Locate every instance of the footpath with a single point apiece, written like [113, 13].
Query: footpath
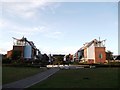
[29, 81]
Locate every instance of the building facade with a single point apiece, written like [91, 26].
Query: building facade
[92, 52]
[26, 48]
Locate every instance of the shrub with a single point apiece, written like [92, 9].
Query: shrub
[6, 61]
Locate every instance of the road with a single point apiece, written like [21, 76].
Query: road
[29, 81]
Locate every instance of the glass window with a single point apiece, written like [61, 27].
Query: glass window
[100, 55]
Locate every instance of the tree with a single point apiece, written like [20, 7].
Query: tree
[68, 59]
[58, 59]
[45, 60]
[109, 56]
[16, 55]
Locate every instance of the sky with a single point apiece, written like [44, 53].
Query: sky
[58, 27]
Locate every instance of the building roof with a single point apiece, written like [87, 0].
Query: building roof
[93, 41]
[89, 44]
[25, 39]
[117, 57]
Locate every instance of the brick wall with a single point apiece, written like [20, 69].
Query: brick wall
[9, 54]
[100, 58]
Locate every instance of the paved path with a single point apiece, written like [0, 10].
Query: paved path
[27, 82]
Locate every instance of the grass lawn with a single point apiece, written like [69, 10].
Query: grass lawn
[10, 74]
[82, 78]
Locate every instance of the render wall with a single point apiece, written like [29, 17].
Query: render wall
[90, 52]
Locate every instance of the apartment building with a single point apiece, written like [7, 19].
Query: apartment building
[26, 48]
[92, 52]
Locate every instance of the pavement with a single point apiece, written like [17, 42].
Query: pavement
[29, 81]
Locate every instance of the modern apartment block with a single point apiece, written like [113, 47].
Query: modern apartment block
[92, 52]
[26, 48]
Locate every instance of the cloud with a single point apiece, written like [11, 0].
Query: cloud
[5, 47]
[3, 50]
[23, 9]
[4, 24]
[26, 10]
[30, 9]
[55, 34]
[16, 29]
[1, 24]
[62, 0]
[28, 30]
[17, 12]
[70, 49]
[61, 50]
[54, 6]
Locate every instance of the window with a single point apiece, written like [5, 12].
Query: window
[100, 55]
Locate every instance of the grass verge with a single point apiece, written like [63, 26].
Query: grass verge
[82, 78]
[11, 74]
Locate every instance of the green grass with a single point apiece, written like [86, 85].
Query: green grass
[10, 74]
[82, 78]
